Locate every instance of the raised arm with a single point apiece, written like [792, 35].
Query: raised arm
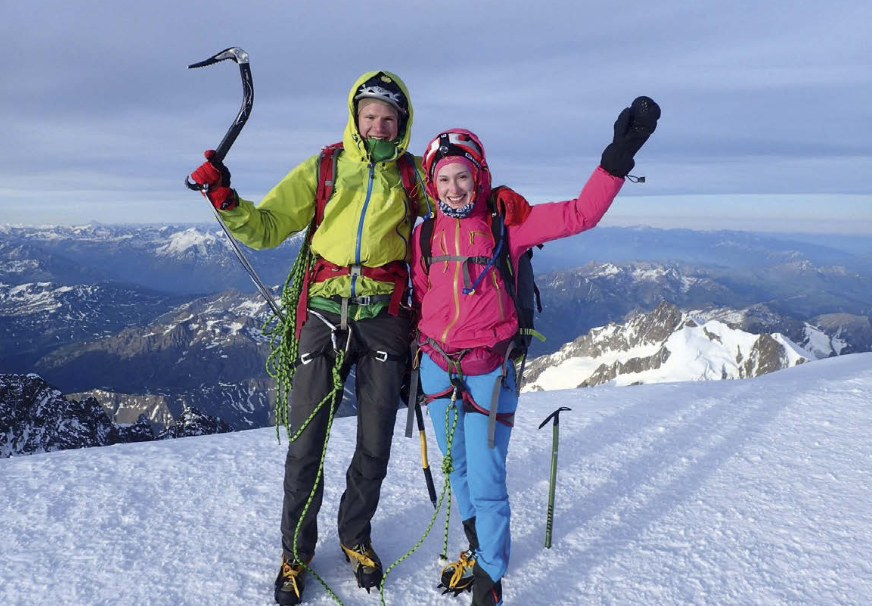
[286, 209]
[555, 220]
[561, 219]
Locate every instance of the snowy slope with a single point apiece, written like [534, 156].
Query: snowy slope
[728, 492]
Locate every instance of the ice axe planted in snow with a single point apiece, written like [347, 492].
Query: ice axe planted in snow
[553, 481]
[241, 58]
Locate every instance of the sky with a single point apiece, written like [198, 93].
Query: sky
[766, 122]
[679, 494]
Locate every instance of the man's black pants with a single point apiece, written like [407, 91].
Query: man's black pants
[378, 347]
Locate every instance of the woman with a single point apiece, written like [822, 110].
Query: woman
[467, 323]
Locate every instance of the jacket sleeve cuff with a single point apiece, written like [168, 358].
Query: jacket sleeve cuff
[238, 215]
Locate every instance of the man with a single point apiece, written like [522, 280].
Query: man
[361, 245]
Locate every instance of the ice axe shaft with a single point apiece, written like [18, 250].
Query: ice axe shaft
[428, 476]
[552, 484]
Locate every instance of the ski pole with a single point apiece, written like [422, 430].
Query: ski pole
[241, 58]
[553, 481]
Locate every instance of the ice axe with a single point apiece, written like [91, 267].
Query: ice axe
[553, 481]
[241, 58]
[415, 411]
[428, 476]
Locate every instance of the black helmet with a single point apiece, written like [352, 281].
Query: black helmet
[382, 87]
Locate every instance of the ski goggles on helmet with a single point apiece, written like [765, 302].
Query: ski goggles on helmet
[382, 88]
[452, 144]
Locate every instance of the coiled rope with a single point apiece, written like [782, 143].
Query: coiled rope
[281, 364]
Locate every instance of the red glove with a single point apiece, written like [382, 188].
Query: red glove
[512, 206]
[216, 178]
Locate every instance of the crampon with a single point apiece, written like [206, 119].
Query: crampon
[365, 564]
[457, 576]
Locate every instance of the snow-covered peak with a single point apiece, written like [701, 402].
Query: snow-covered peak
[664, 345]
[180, 242]
[603, 270]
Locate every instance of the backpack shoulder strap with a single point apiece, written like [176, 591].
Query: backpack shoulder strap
[326, 179]
[409, 178]
[499, 230]
[426, 241]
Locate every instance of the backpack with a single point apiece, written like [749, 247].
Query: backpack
[525, 297]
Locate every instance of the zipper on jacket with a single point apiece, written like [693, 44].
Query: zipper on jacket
[499, 294]
[456, 288]
[472, 235]
[360, 226]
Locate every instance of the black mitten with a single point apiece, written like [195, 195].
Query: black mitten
[632, 128]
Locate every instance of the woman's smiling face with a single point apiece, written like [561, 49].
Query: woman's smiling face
[455, 185]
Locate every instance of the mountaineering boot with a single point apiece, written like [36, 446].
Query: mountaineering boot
[457, 576]
[289, 583]
[484, 591]
[365, 564]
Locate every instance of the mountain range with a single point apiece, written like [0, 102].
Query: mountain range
[576, 300]
[668, 345]
[179, 259]
[139, 317]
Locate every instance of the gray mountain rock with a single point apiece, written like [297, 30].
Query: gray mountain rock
[38, 318]
[851, 332]
[192, 422]
[35, 417]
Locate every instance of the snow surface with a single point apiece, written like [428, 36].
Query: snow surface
[728, 492]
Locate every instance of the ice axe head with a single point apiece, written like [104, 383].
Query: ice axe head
[234, 52]
[240, 57]
[555, 415]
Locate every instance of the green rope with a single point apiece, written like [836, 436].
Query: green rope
[281, 364]
[332, 398]
[447, 468]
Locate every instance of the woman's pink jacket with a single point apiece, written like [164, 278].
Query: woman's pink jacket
[484, 321]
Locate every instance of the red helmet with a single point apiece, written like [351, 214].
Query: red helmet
[456, 142]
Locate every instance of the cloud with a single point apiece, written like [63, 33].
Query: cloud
[756, 98]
